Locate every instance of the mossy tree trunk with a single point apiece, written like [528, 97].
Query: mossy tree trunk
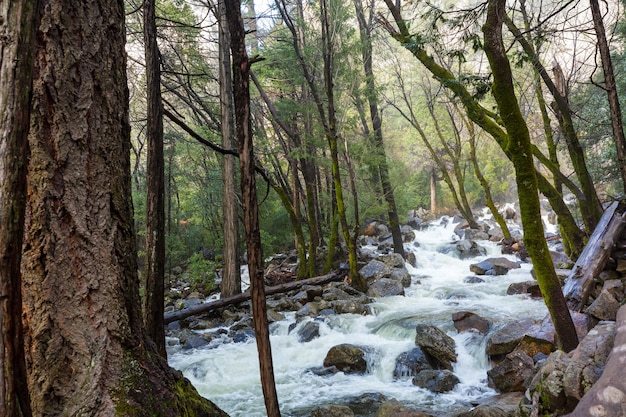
[520, 148]
[88, 351]
[16, 68]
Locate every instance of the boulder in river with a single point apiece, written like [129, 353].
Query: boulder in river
[436, 380]
[385, 287]
[375, 270]
[494, 266]
[410, 363]
[330, 410]
[438, 346]
[469, 249]
[504, 339]
[468, 321]
[511, 374]
[393, 408]
[348, 358]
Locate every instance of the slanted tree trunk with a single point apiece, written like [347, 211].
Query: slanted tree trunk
[521, 156]
[611, 89]
[88, 352]
[154, 304]
[365, 29]
[231, 274]
[241, 93]
[16, 69]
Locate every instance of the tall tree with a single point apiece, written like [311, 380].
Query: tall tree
[365, 30]
[611, 88]
[155, 193]
[525, 175]
[16, 68]
[88, 351]
[231, 276]
[241, 93]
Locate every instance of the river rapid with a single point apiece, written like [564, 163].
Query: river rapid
[229, 374]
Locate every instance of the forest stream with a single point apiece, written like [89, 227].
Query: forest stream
[228, 374]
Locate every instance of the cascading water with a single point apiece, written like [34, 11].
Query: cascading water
[229, 373]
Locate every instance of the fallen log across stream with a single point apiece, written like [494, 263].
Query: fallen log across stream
[239, 298]
[594, 257]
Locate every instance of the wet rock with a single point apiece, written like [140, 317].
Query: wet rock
[243, 335]
[504, 339]
[401, 275]
[309, 331]
[324, 370]
[525, 287]
[332, 411]
[503, 405]
[438, 347]
[436, 380]
[561, 260]
[393, 260]
[410, 363]
[468, 321]
[366, 404]
[351, 306]
[385, 287]
[308, 310]
[469, 249]
[473, 280]
[194, 342]
[532, 346]
[393, 408]
[274, 316]
[494, 266]
[511, 374]
[605, 306]
[476, 234]
[564, 378]
[411, 259]
[375, 270]
[347, 358]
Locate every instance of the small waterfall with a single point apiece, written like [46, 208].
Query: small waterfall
[229, 373]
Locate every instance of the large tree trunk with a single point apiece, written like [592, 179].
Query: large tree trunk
[16, 68]
[155, 192]
[611, 88]
[231, 274]
[241, 88]
[88, 353]
[521, 152]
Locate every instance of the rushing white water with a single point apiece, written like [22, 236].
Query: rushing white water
[229, 373]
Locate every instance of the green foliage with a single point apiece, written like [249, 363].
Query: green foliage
[200, 272]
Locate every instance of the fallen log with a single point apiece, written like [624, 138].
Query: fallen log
[607, 397]
[593, 258]
[239, 298]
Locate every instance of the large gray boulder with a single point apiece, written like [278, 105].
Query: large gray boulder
[385, 287]
[393, 408]
[438, 347]
[330, 410]
[504, 339]
[410, 363]
[375, 270]
[348, 358]
[494, 266]
[467, 321]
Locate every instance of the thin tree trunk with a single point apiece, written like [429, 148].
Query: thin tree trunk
[519, 136]
[611, 89]
[379, 143]
[231, 274]
[241, 88]
[433, 191]
[16, 70]
[154, 304]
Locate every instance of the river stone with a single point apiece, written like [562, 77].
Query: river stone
[351, 306]
[502, 405]
[308, 310]
[194, 341]
[393, 408]
[494, 266]
[468, 321]
[309, 331]
[438, 347]
[348, 358]
[385, 287]
[605, 306]
[366, 404]
[394, 260]
[329, 410]
[504, 339]
[410, 363]
[472, 279]
[469, 249]
[532, 346]
[475, 234]
[525, 287]
[401, 275]
[375, 270]
[511, 374]
[436, 380]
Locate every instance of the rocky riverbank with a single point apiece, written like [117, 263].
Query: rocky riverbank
[532, 377]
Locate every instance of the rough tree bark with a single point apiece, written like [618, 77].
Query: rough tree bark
[521, 152]
[241, 89]
[88, 352]
[17, 34]
[231, 274]
[155, 190]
